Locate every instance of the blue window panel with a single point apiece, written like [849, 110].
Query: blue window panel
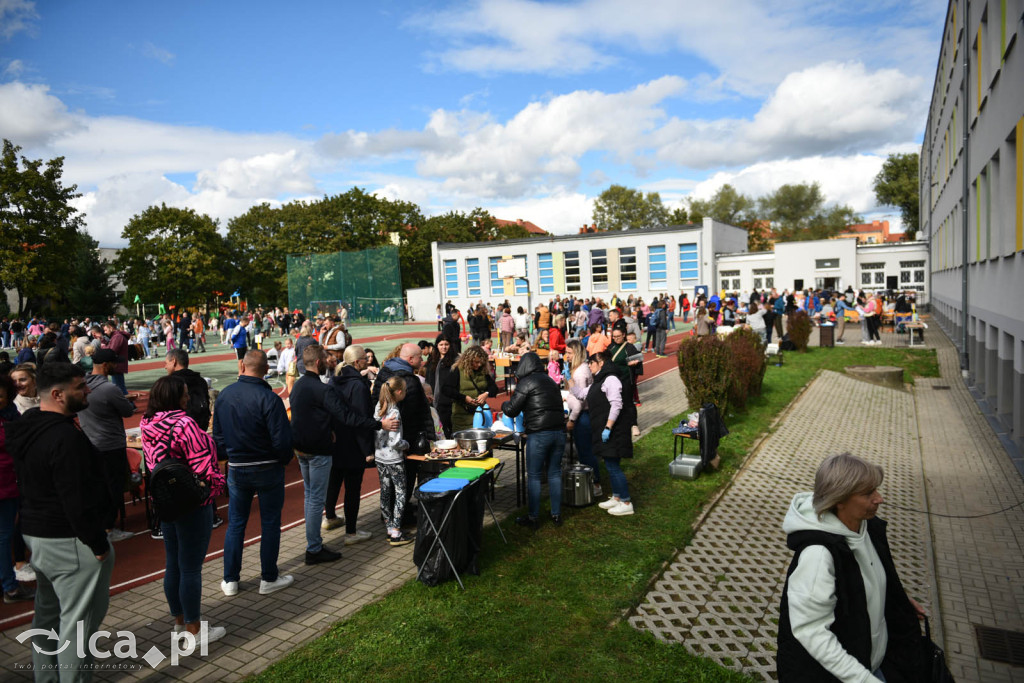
[656, 265]
[497, 284]
[523, 284]
[451, 279]
[547, 273]
[689, 266]
[473, 276]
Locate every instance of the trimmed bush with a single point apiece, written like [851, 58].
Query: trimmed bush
[799, 330]
[747, 365]
[705, 366]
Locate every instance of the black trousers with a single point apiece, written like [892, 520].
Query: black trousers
[352, 479]
[115, 474]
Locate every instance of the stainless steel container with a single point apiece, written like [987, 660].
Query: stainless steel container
[475, 440]
[685, 467]
[578, 486]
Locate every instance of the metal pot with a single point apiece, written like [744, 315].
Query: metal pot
[475, 440]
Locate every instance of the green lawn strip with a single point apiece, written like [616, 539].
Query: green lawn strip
[549, 604]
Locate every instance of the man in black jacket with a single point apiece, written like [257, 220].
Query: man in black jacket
[63, 505]
[540, 400]
[198, 407]
[314, 405]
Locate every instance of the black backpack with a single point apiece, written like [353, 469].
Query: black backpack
[176, 490]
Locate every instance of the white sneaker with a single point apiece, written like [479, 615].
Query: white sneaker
[115, 535]
[609, 504]
[229, 587]
[357, 537]
[268, 587]
[328, 524]
[623, 508]
[213, 634]
[26, 574]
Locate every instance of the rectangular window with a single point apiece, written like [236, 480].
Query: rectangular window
[497, 284]
[912, 275]
[546, 273]
[763, 278]
[656, 267]
[826, 263]
[627, 268]
[689, 269]
[523, 283]
[599, 269]
[451, 279]
[473, 276]
[872, 273]
[572, 271]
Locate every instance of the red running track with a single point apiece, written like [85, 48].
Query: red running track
[140, 559]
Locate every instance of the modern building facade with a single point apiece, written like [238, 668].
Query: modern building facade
[972, 199]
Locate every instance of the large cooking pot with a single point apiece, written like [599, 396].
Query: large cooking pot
[475, 440]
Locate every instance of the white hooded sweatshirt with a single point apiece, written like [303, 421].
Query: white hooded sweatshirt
[812, 592]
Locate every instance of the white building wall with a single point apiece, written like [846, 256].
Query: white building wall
[796, 264]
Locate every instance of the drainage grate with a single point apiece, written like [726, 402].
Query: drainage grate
[940, 387]
[1000, 645]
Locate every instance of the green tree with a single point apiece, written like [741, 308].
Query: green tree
[623, 208]
[174, 256]
[798, 212]
[39, 229]
[727, 205]
[455, 226]
[679, 216]
[897, 185]
[90, 292]
[261, 238]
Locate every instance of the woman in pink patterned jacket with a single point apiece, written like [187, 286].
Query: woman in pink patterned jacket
[168, 432]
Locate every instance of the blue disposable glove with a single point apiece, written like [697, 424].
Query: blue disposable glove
[605, 435]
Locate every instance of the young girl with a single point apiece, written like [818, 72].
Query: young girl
[389, 454]
[555, 368]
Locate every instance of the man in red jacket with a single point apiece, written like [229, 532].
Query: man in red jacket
[117, 341]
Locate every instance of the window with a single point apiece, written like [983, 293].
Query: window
[473, 276]
[872, 273]
[689, 269]
[763, 278]
[497, 284]
[572, 271]
[656, 267]
[912, 275]
[730, 280]
[627, 268]
[451, 279]
[599, 269]
[547, 273]
[523, 283]
[826, 263]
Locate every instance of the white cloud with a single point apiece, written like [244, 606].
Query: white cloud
[14, 68]
[16, 16]
[158, 53]
[750, 44]
[30, 115]
[843, 179]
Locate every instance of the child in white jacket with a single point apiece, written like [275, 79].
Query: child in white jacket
[389, 454]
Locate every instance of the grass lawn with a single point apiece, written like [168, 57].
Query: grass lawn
[549, 605]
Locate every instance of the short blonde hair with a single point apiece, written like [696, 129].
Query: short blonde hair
[841, 476]
[353, 353]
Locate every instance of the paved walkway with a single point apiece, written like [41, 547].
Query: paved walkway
[720, 596]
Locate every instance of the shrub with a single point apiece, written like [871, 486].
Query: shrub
[705, 366]
[747, 364]
[799, 329]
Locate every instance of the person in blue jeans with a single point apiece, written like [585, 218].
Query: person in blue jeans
[250, 426]
[539, 399]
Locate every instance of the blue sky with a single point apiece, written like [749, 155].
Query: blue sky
[528, 109]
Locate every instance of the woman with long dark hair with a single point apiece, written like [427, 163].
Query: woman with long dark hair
[439, 366]
[167, 432]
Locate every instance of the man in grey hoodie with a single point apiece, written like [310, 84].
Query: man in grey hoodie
[103, 422]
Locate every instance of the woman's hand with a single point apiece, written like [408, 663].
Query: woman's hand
[917, 608]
